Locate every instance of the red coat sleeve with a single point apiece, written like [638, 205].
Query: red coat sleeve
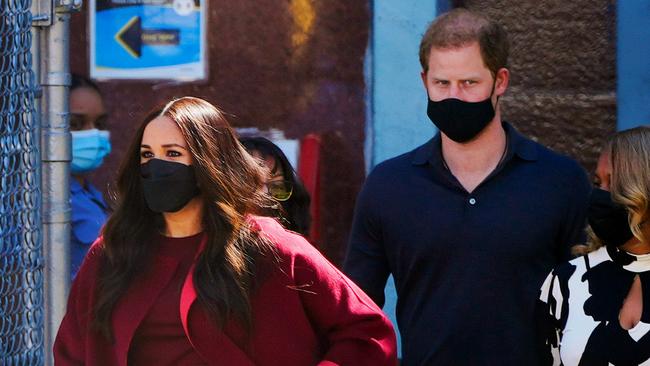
[71, 339]
[356, 331]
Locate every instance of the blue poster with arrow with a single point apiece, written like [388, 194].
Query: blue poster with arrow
[148, 39]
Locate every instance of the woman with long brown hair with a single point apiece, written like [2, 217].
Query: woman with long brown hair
[185, 273]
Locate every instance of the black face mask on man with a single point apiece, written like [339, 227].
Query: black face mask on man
[459, 120]
[608, 219]
[168, 186]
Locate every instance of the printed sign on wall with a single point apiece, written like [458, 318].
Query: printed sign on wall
[148, 39]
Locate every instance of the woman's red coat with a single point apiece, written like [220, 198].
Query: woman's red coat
[305, 312]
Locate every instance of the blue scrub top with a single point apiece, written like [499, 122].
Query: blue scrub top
[89, 211]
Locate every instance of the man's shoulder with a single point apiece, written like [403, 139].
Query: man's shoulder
[401, 163]
[555, 162]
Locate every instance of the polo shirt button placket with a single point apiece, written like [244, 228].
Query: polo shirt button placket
[472, 201]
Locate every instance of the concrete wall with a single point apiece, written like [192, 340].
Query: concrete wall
[399, 101]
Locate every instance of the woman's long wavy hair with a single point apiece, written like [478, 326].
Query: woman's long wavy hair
[229, 180]
[629, 154]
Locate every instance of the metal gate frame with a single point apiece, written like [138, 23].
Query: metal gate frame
[51, 63]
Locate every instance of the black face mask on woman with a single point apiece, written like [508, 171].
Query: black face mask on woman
[608, 219]
[168, 186]
[459, 120]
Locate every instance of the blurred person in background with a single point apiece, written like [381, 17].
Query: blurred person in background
[185, 273]
[282, 184]
[595, 309]
[90, 145]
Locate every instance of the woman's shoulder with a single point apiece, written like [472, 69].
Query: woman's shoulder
[580, 265]
[286, 243]
[272, 230]
[96, 250]
[92, 260]
[587, 261]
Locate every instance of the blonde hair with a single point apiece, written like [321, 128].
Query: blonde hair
[630, 184]
[629, 154]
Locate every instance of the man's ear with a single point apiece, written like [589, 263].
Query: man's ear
[423, 75]
[502, 80]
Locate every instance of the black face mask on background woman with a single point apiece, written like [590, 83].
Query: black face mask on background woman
[608, 219]
[168, 186]
[459, 120]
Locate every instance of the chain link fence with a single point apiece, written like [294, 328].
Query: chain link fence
[21, 260]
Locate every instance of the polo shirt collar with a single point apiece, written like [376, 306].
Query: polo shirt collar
[518, 144]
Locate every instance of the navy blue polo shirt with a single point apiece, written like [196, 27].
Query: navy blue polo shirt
[467, 266]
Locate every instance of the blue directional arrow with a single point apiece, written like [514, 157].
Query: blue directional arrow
[132, 36]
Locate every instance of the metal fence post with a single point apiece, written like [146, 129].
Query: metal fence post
[55, 157]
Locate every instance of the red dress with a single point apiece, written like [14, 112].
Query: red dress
[305, 312]
[160, 339]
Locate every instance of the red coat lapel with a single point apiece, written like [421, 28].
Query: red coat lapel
[136, 302]
[211, 343]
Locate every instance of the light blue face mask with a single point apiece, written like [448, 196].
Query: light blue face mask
[89, 147]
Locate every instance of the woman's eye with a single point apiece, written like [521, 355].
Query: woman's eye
[146, 154]
[173, 154]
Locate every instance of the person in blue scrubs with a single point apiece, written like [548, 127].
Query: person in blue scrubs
[90, 144]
